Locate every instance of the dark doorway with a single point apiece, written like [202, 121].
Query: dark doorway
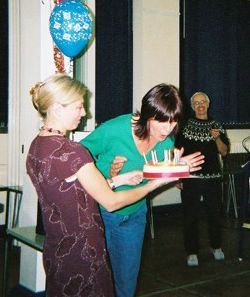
[114, 58]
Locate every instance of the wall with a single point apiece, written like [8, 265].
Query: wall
[155, 45]
[236, 137]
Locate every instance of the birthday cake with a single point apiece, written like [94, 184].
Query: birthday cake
[164, 169]
[170, 167]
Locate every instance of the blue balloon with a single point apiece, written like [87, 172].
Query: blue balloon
[71, 27]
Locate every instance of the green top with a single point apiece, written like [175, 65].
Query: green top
[114, 138]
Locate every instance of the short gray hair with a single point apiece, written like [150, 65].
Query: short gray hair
[199, 93]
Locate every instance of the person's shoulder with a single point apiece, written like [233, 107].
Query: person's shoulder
[187, 121]
[215, 123]
[77, 150]
[120, 118]
[117, 121]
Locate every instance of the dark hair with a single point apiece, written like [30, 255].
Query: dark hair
[161, 103]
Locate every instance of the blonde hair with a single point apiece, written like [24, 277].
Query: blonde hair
[59, 88]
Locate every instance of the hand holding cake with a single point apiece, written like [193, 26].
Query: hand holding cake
[172, 165]
[194, 161]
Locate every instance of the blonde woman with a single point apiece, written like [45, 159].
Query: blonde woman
[69, 186]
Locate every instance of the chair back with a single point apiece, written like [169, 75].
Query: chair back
[232, 163]
[246, 144]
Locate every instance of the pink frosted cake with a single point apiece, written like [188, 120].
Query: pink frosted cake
[165, 169]
[172, 166]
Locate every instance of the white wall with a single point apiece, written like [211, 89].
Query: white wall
[236, 137]
[156, 45]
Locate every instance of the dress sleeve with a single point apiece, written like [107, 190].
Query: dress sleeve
[72, 158]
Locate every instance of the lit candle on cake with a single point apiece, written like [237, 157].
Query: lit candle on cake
[165, 156]
[153, 157]
[176, 156]
[144, 156]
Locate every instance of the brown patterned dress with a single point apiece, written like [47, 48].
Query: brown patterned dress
[74, 256]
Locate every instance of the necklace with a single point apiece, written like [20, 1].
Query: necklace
[51, 130]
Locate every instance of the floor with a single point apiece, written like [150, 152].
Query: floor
[164, 272]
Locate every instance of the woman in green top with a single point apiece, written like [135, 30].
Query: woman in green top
[133, 136]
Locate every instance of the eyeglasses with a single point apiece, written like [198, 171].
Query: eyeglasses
[196, 103]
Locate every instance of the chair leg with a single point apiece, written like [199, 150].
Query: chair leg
[5, 266]
[241, 243]
[16, 211]
[151, 219]
[234, 197]
[231, 195]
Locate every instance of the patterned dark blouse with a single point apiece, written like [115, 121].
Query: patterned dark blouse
[74, 256]
[195, 136]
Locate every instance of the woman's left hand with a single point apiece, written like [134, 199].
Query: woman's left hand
[194, 161]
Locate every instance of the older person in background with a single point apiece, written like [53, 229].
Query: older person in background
[204, 134]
